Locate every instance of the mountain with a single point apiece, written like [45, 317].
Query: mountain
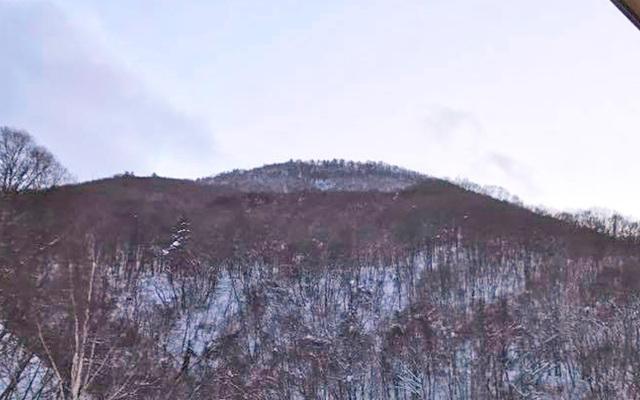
[265, 284]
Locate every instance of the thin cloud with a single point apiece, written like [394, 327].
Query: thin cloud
[458, 141]
[449, 125]
[451, 139]
[96, 116]
[517, 173]
[507, 164]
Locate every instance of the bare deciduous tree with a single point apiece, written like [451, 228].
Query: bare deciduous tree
[24, 165]
[99, 358]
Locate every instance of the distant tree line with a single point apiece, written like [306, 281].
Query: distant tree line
[329, 167]
[606, 222]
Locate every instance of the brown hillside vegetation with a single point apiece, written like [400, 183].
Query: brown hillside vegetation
[142, 211]
[160, 288]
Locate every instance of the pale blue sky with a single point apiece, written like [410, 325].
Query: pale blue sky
[541, 97]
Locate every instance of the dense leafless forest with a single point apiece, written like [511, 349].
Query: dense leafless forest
[312, 281]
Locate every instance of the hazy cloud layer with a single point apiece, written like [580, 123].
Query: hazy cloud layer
[449, 125]
[517, 173]
[98, 118]
[458, 141]
[454, 138]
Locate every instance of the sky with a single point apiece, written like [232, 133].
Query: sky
[539, 97]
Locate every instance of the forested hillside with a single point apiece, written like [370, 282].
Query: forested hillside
[368, 285]
[335, 175]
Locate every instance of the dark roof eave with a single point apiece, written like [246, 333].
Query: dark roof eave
[631, 11]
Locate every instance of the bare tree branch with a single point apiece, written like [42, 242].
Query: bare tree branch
[24, 165]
